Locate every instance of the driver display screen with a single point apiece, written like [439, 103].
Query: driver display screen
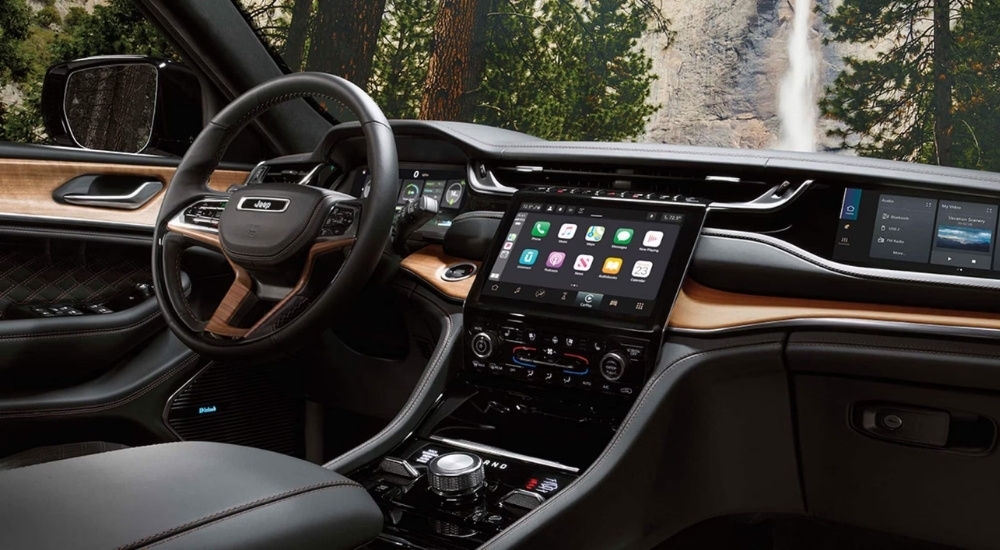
[594, 257]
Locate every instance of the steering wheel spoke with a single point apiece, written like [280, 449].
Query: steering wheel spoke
[281, 239]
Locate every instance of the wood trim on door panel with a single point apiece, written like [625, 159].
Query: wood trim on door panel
[429, 264]
[26, 188]
[701, 308]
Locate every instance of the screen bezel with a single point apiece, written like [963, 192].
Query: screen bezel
[676, 270]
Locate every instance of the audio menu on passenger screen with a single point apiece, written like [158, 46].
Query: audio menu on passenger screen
[902, 228]
[940, 232]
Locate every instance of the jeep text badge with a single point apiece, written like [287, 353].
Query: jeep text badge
[262, 204]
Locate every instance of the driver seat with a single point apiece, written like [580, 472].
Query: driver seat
[183, 496]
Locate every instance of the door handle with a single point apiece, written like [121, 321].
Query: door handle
[121, 192]
[950, 430]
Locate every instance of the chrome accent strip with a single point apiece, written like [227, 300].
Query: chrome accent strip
[444, 274]
[398, 467]
[490, 186]
[764, 203]
[891, 275]
[479, 447]
[130, 201]
[268, 199]
[828, 323]
[312, 173]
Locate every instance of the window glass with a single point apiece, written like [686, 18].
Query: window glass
[913, 80]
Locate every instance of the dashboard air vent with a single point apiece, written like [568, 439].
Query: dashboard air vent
[714, 186]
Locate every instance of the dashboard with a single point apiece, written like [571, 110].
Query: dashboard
[777, 224]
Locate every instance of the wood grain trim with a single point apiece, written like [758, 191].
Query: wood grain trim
[315, 252]
[200, 236]
[241, 288]
[430, 262]
[27, 185]
[702, 308]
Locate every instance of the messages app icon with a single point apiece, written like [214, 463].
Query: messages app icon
[540, 229]
[595, 233]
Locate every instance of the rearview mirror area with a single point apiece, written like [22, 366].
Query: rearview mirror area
[126, 104]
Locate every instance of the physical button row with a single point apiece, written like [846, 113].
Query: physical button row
[554, 378]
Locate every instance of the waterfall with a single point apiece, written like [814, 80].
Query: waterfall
[797, 109]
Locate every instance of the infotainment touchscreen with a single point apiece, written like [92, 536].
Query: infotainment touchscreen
[923, 233]
[620, 258]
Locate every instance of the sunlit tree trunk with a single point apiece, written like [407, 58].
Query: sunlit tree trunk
[942, 82]
[344, 38]
[457, 62]
[298, 29]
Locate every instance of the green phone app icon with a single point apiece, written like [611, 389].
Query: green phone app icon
[540, 229]
[623, 236]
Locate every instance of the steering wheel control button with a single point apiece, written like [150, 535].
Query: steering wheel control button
[613, 366]
[483, 345]
[455, 474]
[341, 219]
[522, 500]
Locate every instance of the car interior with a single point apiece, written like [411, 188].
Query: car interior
[320, 328]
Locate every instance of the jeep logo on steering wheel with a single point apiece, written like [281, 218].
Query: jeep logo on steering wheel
[262, 204]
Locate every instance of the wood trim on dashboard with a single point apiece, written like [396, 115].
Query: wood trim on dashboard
[27, 185]
[701, 308]
[430, 262]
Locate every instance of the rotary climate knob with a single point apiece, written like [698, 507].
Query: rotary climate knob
[455, 474]
[484, 344]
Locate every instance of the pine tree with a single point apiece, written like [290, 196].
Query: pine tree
[568, 71]
[900, 104]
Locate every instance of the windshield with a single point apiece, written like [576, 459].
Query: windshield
[912, 80]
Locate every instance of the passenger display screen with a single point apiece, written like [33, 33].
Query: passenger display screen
[940, 235]
[593, 255]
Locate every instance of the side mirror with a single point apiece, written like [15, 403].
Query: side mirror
[127, 104]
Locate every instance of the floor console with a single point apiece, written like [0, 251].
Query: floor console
[563, 327]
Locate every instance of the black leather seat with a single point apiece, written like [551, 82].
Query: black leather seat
[180, 496]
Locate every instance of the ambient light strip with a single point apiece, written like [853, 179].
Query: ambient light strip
[27, 185]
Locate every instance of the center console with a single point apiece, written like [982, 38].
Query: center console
[563, 327]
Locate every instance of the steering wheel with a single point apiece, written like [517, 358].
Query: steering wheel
[298, 252]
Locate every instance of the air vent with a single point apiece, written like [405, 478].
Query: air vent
[259, 406]
[715, 187]
[299, 173]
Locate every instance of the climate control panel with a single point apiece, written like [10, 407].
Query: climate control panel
[605, 364]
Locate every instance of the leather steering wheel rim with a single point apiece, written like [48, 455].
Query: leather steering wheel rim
[190, 183]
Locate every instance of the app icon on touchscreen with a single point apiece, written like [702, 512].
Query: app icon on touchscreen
[555, 260]
[567, 231]
[528, 257]
[583, 262]
[623, 236]
[540, 229]
[595, 233]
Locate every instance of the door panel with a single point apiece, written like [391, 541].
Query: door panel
[86, 375]
[26, 187]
